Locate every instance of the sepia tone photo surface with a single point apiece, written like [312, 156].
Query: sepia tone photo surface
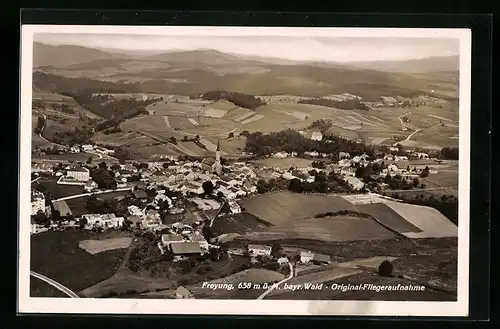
[303, 165]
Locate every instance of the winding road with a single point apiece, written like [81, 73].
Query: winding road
[274, 286]
[45, 139]
[54, 284]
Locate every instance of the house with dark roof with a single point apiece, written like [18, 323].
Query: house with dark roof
[321, 259]
[186, 248]
[140, 194]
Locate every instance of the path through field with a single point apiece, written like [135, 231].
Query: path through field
[274, 286]
[167, 122]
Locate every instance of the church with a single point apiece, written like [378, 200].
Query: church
[213, 165]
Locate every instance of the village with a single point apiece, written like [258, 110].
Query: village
[178, 201]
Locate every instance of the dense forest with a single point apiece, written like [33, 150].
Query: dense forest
[292, 141]
[58, 84]
[242, 100]
[352, 104]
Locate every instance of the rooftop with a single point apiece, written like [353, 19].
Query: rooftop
[186, 248]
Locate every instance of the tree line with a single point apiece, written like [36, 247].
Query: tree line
[291, 141]
[242, 100]
[350, 104]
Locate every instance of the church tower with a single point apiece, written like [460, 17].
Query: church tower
[217, 167]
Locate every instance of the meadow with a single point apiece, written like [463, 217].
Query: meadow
[283, 207]
[58, 256]
[328, 229]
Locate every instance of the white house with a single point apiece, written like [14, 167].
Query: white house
[74, 149]
[79, 173]
[393, 149]
[282, 261]
[354, 182]
[235, 207]
[420, 155]
[104, 220]
[280, 155]
[306, 256]
[316, 136]
[87, 147]
[37, 202]
[259, 250]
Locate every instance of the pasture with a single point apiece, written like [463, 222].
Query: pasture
[58, 256]
[388, 217]
[97, 246]
[78, 206]
[283, 207]
[444, 178]
[432, 223]
[328, 229]
[237, 223]
[49, 186]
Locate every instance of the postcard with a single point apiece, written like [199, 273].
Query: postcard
[244, 171]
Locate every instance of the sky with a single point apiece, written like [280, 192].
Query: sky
[335, 49]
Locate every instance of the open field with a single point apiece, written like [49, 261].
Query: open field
[444, 178]
[96, 246]
[285, 163]
[284, 206]
[39, 288]
[387, 217]
[49, 99]
[432, 223]
[237, 223]
[58, 256]
[78, 206]
[328, 229]
[56, 191]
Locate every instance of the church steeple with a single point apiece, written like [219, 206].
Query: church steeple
[218, 146]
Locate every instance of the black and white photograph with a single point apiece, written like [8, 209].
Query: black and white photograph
[291, 171]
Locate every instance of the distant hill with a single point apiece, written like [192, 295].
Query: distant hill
[64, 55]
[430, 64]
[206, 56]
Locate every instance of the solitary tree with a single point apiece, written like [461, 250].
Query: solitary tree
[231, 135]
[385, 268]
[208, 187]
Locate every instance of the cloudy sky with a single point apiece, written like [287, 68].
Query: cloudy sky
[295, 48]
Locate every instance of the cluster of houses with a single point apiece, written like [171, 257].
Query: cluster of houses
[346, 166]
[90, 149]
[182, 241]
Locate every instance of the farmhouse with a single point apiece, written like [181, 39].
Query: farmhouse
[259, 250]
[282, 261]
[316, 136]
[103, 220]
[103, 150]
[234, 207]
[198, 238]
[37, 202]
[321, 259]
[280, 155]
[74, 149]
[87, 147]
[185, 248]
[168, 239]
[420, 155]
[306, 256]
[78, 173]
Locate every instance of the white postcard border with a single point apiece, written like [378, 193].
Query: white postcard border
[27, 304]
